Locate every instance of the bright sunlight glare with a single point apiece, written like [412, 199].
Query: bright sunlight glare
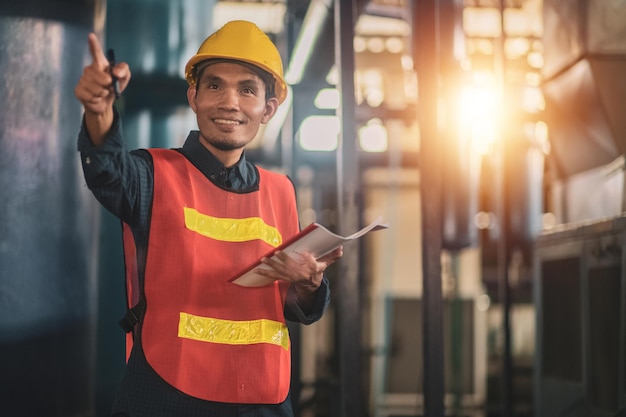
[479, 115]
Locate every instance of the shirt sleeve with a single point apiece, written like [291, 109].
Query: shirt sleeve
[294, 312]
[121, 181]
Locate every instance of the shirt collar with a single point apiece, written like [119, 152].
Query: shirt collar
[241, 177]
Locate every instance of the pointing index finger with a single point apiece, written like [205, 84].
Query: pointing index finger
[97, 55]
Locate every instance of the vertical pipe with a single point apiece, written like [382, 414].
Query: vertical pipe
[47, 239]
[427, 55]
[504, 248]
[504, 292]
[456, 335]
[347, 194]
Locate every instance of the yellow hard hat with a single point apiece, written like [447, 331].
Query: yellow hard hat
[242, 41]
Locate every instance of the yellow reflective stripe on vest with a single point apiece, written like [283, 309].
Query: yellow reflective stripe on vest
[206, 329]
[232, 230]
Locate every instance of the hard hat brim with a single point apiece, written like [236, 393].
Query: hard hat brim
[280, 86]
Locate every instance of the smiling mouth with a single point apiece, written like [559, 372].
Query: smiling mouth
[227, 122]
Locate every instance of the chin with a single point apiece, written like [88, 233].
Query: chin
[222, 144]
[227, 146]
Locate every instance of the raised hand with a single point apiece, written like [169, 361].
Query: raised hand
[95, 90]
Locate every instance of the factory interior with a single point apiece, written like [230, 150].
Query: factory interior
[489, 135]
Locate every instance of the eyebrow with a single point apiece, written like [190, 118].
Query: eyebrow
[253, 81]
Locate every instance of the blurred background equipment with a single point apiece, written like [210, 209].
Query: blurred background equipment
[493, 146]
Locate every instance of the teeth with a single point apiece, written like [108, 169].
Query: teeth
[226, 121]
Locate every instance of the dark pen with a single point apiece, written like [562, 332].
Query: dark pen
[116, 83]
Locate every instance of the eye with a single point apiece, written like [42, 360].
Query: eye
[210, 83]
[248, 90]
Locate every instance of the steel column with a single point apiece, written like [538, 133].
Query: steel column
[348, 185]
[504, 244]
[426, 15]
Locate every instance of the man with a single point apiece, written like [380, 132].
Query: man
[192, 217]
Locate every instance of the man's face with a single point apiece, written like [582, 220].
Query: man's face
[229, 102]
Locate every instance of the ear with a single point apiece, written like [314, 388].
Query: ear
[270, 109]
[191, 98]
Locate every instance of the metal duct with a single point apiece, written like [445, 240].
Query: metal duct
[585, 63]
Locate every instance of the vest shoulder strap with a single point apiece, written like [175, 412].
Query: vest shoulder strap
[131, 318]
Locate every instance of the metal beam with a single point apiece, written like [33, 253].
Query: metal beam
[427, 54]
[349, 319]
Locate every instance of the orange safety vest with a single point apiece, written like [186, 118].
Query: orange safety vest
[205, 336]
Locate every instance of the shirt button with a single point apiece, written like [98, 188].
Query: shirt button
[243, 387]
[88, 160]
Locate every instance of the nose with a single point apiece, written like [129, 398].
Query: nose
[229, 99]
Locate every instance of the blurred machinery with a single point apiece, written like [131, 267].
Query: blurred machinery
[580, 279]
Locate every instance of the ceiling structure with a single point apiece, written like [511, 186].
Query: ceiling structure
[386, 86]
[500, 39]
